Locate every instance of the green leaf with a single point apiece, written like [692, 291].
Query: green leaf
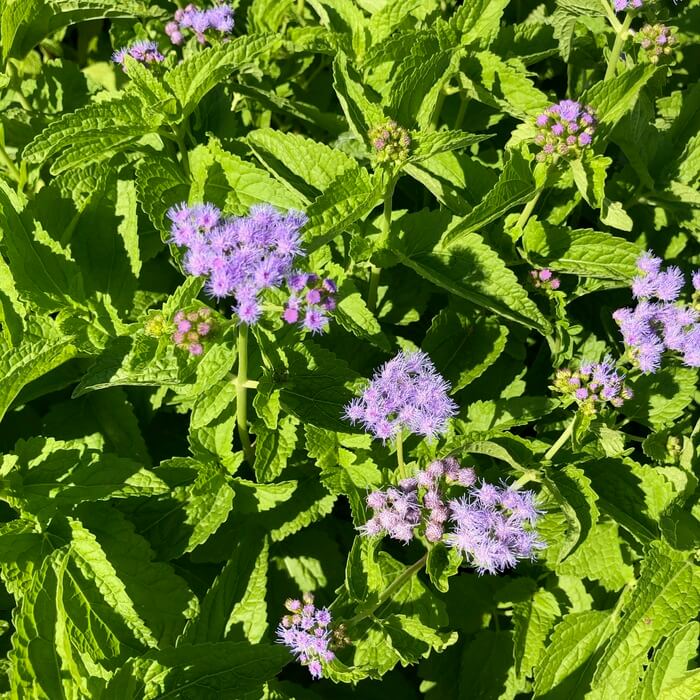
[34, 357]
[161, 597]
[419, 78]
[349, 198]
[428, 144]
[582, 252]
[194, 77]
[47, 475]
[634, 495]
[612, 99]
[361, 110]
[236, 597]
[159, 184]
[460, 262]
[442, 563]
[599, 558]
[193, 671]
[516, 185]
[355, 317]
[533, 620]
[274, 447]
[566, 670]
[503, 414]
[199, 502]
[479, 21]
[24, 23]
[660, 398]
[234, 184]
[91, 134]
[669, 664]
[42, 271]
[462, 349]
[667, 596]
[314, 385]
[306, 165]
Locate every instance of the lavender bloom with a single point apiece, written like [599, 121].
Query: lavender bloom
[305, 631]
[390, 142]
[191, 327]
[141, 51]
[594, 384]
[564, 129]
[396, 514]
[493, 527]
[406, 393]
[621, 5]
[192, 18]
[656, 40]
[310, 301]
[420, 500]
[659, 322]
[240, 256]
[544, 279]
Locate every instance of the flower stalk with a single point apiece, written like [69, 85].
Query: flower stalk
[242, 394]
[620, 39]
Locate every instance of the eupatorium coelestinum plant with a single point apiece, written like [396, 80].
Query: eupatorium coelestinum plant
[332, 361]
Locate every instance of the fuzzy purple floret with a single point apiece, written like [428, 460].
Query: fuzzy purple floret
[405, 394]
[240, 256]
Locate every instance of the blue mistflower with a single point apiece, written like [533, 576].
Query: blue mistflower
[239, 256]
[141, 51]
[494, 527]
[406, 393]
[660, 322]
[306, 633]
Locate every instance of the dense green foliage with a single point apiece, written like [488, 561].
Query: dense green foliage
[146, 549]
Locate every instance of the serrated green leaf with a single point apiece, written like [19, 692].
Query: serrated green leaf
[568, 666]
[194, 77]
[460, 262]
[274, 447]
[236, 597]
[667, 596]
[463, 349]
[582, 252]
[533, 620]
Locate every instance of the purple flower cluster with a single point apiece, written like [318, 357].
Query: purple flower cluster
[494, 527]
[141, 51]
[191, 327]
[544, 279]
[390, 142]
[563, 129]
[660, 322]
[406, 393]
[305, 631]
[417, 501]
[218, 18]
[622, 5]
[310, 301]
[240, 256]
[656, 40]
[594, 384]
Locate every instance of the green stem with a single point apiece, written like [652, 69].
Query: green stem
[9, 163]
[462, 111]
[526, 478]
[614, 22]
[392, 588]
[180, 140]
[242, 394]
[375, 271]
[399, 451]
[527, 210]
[561, 441]
[620, 39]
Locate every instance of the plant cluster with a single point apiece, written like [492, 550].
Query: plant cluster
[349, 348]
